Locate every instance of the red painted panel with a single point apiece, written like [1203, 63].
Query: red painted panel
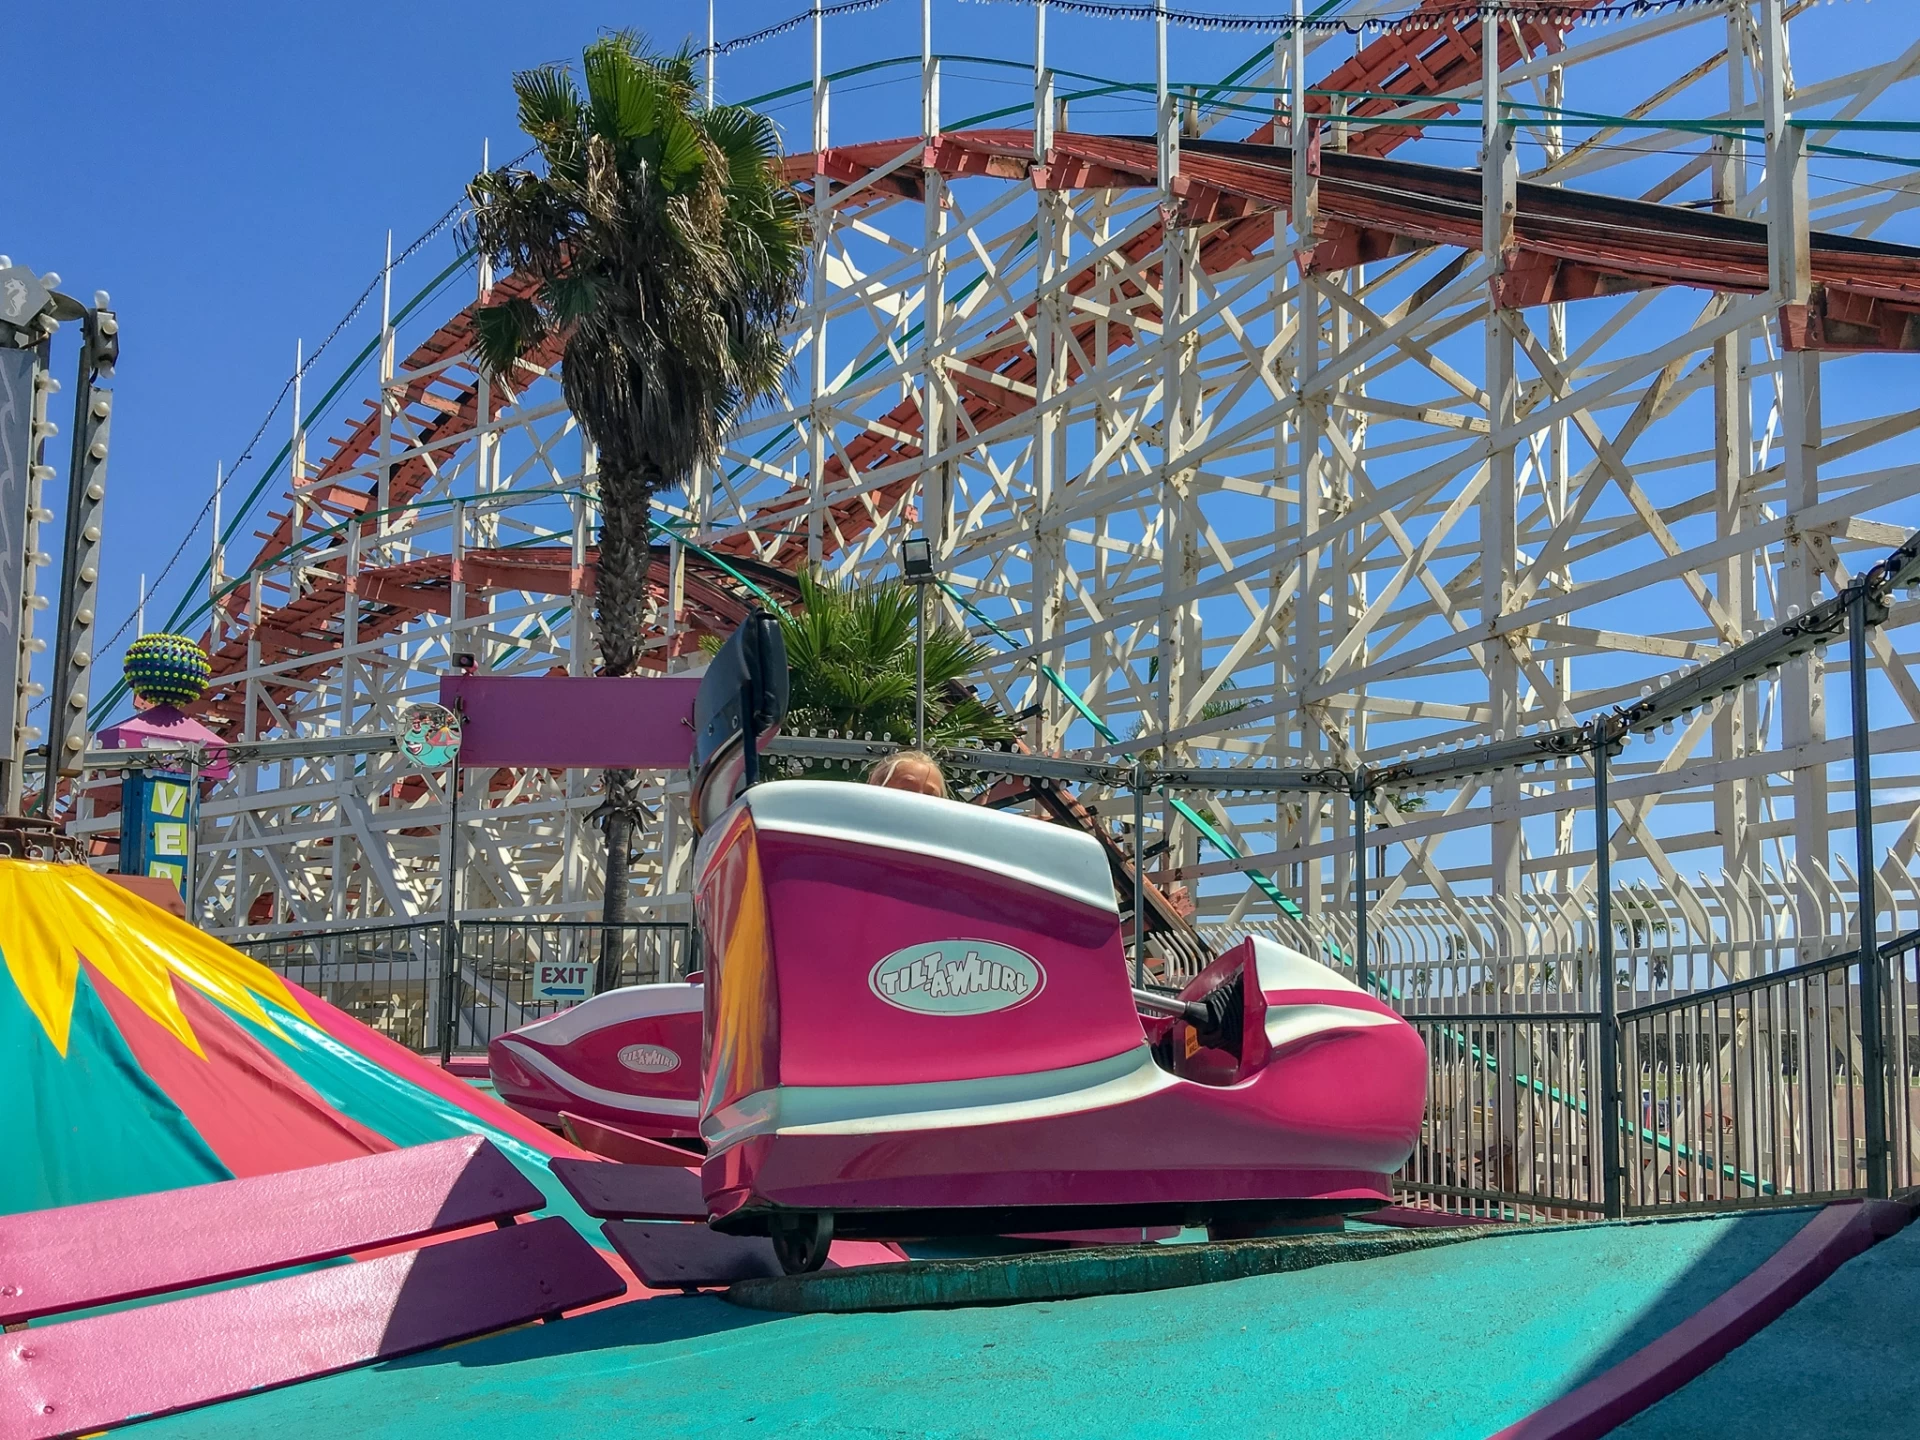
[87, 1374]
[284, 1124]
[52, 1261]
[394, 1057]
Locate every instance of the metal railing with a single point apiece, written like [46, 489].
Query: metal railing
[1753, 1093]
[1508, 1122]
[508, 973]
[388, 977]
[1757, 1092]
[513, 972]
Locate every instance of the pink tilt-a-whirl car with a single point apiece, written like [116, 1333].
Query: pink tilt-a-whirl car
[916, 1020]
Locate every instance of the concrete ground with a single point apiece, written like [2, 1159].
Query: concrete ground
[1844, 1362]
[1457, 1341]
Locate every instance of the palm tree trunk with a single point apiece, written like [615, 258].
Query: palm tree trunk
[621, 803]
[620, 617]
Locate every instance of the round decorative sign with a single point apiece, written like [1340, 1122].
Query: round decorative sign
[957, 977]
[648, 1059]
[429, 735]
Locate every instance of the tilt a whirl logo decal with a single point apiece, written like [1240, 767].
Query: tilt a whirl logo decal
[957, 977]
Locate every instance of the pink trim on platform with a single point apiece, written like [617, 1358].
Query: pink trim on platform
[78, 1256]
[1824, 1244]
[1411, 1217]
[86, 1375]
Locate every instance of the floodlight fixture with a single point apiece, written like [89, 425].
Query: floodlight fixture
[916, 560]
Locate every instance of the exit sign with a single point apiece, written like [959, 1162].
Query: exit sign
[561, 982]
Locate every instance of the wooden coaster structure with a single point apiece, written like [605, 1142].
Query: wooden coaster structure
[1267, 443]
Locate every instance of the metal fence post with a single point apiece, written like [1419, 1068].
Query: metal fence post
[449, 987]
[1872, 1046]
[1362, 975]
[1139, 880]
[450, 938]
[1606, 1150]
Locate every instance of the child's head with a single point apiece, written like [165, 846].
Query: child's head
[913, 770]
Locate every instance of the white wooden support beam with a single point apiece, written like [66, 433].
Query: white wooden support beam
[1499, 178]
[1789, 252]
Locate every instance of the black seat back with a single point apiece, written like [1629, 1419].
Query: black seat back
[742, 700]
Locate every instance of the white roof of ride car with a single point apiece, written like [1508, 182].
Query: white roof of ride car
[1047, 857]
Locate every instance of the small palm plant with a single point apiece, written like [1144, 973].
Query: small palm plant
[664, 252]
[850, 667]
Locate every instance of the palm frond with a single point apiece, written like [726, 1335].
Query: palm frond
[625, 96]
[668, 253]
[503, 333]
[850, 660]
[549, 111]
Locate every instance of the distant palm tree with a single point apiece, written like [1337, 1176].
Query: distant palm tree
[667, 252]
[850, 663]
[1223, 704]
[1636, 921]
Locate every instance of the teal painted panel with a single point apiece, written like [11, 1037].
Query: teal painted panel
[91, 1125]
[402, 1111]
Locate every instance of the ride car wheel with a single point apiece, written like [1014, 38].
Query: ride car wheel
[800, 1242]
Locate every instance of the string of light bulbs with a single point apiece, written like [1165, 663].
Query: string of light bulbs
[1562, 14]
[786, 26]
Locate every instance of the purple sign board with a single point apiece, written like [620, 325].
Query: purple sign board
[563, 722]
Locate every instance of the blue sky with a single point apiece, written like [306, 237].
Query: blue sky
[229, 174]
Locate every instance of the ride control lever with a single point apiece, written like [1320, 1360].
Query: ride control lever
[1194, 1012]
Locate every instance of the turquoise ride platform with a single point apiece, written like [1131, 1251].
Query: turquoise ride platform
[1458, 1340]
[1844, 1362]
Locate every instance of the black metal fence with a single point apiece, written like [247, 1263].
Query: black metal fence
[1752, 1093]
[513, 972]
[505, 973]
[1508, 1117]
[388, 977]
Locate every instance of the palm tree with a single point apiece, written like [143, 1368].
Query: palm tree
[663, 251]
[850, 664]
[1223, 704]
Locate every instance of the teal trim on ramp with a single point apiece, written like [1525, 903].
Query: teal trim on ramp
[1457, 1341]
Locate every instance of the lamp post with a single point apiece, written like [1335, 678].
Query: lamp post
[1607, 732]
[1361, 794]
[916, 568]
[1864, 608]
